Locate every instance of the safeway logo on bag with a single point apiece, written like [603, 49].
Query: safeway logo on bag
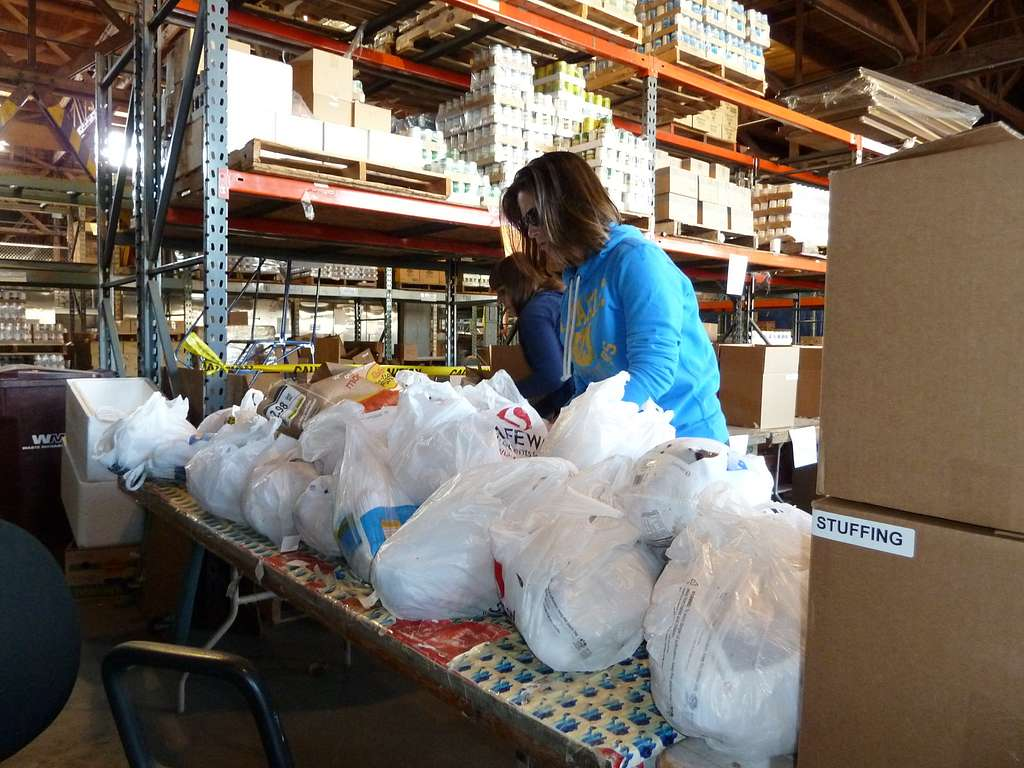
[520, 434]
[516, 416]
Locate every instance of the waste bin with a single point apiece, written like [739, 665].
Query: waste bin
[31, 438]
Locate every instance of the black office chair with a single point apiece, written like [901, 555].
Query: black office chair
[40, 649]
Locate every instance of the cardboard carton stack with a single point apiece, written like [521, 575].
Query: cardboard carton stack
[915, 614]
[693, 192]
[792, 212]
[621, 161]
[312, 104]
[720, 123]
[709, 32]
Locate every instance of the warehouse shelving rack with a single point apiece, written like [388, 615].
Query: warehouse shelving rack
[238, 201]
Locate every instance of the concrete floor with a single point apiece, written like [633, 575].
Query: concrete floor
[366, 715]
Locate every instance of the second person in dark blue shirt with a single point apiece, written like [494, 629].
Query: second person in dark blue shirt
[537, 306]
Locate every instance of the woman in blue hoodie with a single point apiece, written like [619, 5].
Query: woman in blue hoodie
[627, 306]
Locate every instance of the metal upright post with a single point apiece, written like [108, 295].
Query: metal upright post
[146, 180]
[215, 204]
[451, 313]
[650, 133]
[357, 320]
[104, 195]
[388, 305]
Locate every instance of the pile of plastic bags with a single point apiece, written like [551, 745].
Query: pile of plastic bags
[595, 536]
[154, 440]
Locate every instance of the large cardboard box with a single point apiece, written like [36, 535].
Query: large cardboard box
[926, 416]
[509, 357]
[672, 207]
[371, 118]
[675, 180]
[321, 78]
[758, 385]
[393, 150]
[808, 386]
[712, 215]
[913, 637]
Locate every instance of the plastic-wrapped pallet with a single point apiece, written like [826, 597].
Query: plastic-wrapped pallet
[725, 629]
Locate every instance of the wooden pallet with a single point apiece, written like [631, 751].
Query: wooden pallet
[678, 229]
[685, 130]
[277, 159]
[585, 17]
[793, 247]
[698, 63]
[101, 566]
[627, 91]
[434, 23]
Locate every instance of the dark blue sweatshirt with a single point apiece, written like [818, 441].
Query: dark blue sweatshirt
[539, 325]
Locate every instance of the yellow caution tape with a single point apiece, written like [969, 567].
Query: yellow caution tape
[211, 364]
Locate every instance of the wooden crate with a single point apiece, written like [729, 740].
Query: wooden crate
[102, 566]
[277, 159]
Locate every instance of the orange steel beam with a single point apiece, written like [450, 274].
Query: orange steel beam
[279, 188]
[512, 16]
[727, 305]
[239, 20]
[705, 249]
[722, 153]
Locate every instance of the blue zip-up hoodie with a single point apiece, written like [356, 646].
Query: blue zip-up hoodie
[629, 308]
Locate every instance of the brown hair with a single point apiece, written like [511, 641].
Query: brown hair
[518, 284]
[574, 208]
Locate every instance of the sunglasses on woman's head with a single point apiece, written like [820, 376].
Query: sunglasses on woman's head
[531, 218]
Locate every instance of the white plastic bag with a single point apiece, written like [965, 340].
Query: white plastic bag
[599, 424]
[270, 497]
[439, 564]
[725, 629]
[369, 505]
[322, 441]
[228, 417]
[218, 473]
[604, 480]
[436, 434]
[314, 516]
[661, 497]
[155, 439]
[750, 477]
[577, 585]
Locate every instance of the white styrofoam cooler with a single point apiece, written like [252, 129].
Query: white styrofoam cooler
[91, 406]
[100, 513]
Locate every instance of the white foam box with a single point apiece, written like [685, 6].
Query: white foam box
[261, 83]
[245, 124]
[720, 172]
[300, 132]
[91, 406]
[738, 197]
[393, 150]
[100, 513]
[346, 141]
[697, 166]
[741, 221]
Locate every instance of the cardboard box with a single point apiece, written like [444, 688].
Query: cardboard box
[675, 180]
[712, 331]
[345, 141]
[300, 132]
[238, 317]
[911, 658]
[320, 75]
[700, 167]
[407, 352]
[712, 190]
[758, 385]
[329, 349]
[720, 172]
[739, 197]
[741, 220]
[371, 118]
[675, 208]
[238, 45]
[330, 109]
[808, 388]
[509, 357]
[395, 151]
[927, 417]
[712, 215]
